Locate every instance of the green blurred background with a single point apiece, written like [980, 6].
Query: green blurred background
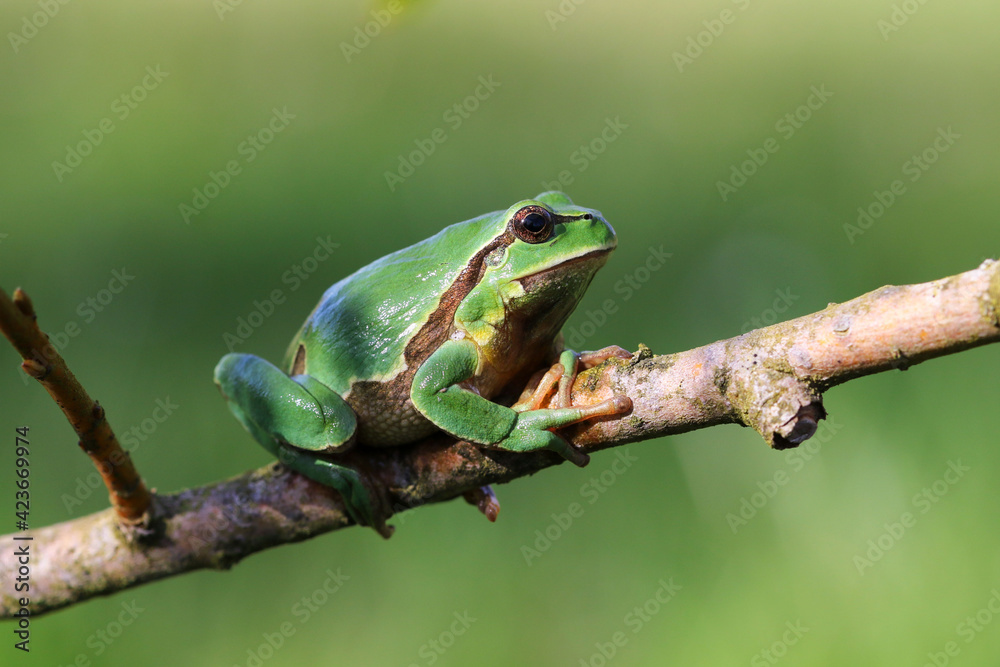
[564, 71]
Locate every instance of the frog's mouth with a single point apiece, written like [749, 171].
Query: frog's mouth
[549, 296]
[584, 266]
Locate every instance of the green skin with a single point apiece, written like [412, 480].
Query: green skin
[421, 340]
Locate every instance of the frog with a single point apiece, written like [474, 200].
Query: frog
[424, 339]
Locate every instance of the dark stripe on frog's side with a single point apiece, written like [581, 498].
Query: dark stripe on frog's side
[370, 400]
[437, 327]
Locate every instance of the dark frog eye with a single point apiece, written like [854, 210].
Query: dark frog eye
[532, 224]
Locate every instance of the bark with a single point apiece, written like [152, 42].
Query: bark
[128, 493]
[771, 379]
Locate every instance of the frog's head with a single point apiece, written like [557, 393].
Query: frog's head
[544, 254]
[552, 241]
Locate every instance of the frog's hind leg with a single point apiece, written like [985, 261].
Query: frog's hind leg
[298, 410]
[295, 418]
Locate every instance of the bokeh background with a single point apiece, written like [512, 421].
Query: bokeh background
[893, 76]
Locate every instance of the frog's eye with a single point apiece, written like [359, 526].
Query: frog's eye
[532, 224]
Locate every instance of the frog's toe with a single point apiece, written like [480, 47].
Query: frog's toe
[595, 357]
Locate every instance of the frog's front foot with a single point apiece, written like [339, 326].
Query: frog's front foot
[562, 374]
[534, 428]
[559, 378]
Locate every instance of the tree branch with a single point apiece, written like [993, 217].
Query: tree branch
[129, 496]
[770, 379]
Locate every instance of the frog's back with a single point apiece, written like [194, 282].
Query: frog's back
[362, 325]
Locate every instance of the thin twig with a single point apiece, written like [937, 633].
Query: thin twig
[129, 496]
[770, 379]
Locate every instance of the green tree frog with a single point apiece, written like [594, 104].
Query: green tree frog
[422, 339]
